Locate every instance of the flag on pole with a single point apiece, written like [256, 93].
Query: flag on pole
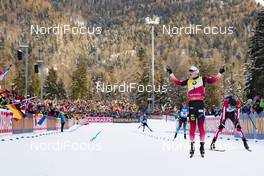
[27, 104]
[4, 73]
[16, 112]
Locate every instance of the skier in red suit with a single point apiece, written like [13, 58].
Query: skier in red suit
[196, 95]
[230, 110]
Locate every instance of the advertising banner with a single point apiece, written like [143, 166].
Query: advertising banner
[126, 120]
[100, 119]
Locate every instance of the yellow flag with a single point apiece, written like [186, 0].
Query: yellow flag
[17, 113]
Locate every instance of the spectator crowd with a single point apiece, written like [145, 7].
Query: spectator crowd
[251, 106]
[102, 108]
[93, 108]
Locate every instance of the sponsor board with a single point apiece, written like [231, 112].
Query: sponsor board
[126, 120]
[5, 121]
[168, 117]
[83, 121]
[100, 119]
[154, 117]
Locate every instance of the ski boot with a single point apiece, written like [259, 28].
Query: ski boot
[212, 146]
[202, 149]
[245, 144]
[192, 150]
[184, 136]
[175, 136]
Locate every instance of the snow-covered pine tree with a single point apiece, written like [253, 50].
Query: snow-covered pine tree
[143, 78]
[19, 80]
[61, 89]
[79, 86]
[51, 86]
[255, 74]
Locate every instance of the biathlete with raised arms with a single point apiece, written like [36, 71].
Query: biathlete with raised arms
[196, 95]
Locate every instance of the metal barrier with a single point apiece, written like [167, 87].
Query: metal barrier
[246, 122]
[212, 124]
[29, 124]
[255, 131]
[69, 123]
[260, 128]
[51, 123]
[24, 125]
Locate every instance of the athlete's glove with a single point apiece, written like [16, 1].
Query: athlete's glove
[237, 125]
[169, 70]
[222, 70]
[221, 126]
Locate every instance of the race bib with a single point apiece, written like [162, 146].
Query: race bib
[192, 117]
[201, 110]
[184, 114]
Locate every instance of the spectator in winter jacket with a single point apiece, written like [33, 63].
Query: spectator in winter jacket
[213, 110]
[247, 107]
[256, 107]
[262, 103]
[62, 120]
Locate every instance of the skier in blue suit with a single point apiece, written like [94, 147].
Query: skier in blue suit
[144, 123]
[182, 116]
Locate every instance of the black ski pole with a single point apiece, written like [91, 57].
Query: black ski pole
[252, 122]
[247, 115]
